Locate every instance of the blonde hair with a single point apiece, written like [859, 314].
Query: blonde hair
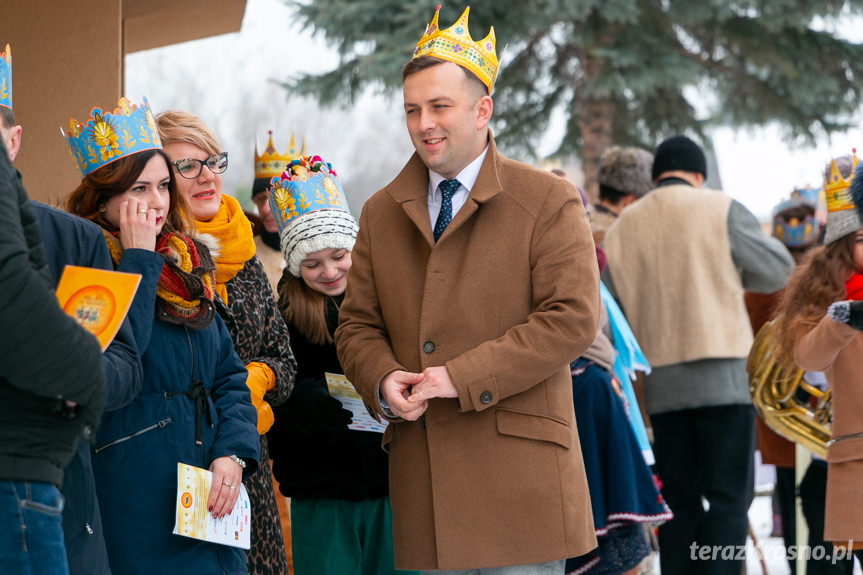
[178, 126]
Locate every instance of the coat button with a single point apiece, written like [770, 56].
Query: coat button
[87, 432]
[485, 397]
[428, 346]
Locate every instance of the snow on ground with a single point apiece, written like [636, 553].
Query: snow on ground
[760, 517]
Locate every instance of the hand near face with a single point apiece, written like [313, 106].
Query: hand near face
[436, 382]
[395, 389]
[137, 225]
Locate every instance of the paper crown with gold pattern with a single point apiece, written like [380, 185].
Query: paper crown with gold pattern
[271, 163]
[311, 211]
[108, 136]
[794, 220]
[6, 77]
[456, 45]
[841, 217]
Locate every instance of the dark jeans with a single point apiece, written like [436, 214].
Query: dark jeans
[31, 529]
[784, 495]
[705, 455]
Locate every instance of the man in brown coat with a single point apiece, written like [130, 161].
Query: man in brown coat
[464, 341]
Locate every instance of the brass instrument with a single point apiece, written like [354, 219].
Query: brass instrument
[776, 393]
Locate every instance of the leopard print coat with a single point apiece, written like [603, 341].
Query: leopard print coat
[260, 334]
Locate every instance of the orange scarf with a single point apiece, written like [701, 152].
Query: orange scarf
[229, 237]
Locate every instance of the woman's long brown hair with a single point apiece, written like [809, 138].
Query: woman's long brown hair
[816, 283]
[304, 308]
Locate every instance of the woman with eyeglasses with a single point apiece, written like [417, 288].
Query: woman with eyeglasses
[246, 304]
[193, 406]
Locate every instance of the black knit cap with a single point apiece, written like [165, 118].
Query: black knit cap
[679, 153]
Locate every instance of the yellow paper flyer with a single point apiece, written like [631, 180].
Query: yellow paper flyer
[193, 520]
[342, 389]
[98, 299]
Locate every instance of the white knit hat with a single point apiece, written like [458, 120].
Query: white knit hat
[316, 231]
[310, 210]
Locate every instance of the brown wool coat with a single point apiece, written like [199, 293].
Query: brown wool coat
[837, 349]
[505, 299]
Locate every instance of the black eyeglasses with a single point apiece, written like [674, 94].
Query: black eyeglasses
[191, 168]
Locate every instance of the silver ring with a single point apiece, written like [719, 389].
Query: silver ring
[225, 483]
[142, 211]
[232, 487]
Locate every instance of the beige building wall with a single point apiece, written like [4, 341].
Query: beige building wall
[67, 57]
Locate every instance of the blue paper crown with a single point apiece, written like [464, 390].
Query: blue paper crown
[109, 136]
[6, 77]
[308, 184]
[797, 232]
[811, 196]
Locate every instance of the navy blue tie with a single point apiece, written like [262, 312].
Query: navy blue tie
[447, 189]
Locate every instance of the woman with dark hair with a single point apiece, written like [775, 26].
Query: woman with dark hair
[194, 406]
[245, 303]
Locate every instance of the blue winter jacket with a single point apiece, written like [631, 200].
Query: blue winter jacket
[70, 240]
[194, 384]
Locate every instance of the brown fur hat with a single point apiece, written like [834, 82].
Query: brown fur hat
[626, 169]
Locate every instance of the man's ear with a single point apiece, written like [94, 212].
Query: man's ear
[484, 108]
[14, 143]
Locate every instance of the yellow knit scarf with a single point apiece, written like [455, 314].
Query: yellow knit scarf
[230, 241]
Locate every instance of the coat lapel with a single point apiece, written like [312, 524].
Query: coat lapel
[410, 190]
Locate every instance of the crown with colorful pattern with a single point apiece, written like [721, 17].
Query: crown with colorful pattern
[271, 163]
[456, 45]
[308, 184]
[836, 187]
[6, 77]
[841, 217]
[310, 210]
[109, 136]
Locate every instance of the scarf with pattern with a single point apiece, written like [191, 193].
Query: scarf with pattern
[229, 237]
[184, 293]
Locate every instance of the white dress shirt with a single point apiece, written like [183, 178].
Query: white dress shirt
[467, 178]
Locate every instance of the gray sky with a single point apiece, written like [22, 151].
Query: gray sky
[227, 80]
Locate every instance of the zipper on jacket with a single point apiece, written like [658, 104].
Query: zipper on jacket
[160, 425]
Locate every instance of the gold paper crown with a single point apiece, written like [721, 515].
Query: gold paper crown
[456, 45]
[271, 163]
[836, 187]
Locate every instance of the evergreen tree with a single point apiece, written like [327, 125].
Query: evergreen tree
[628, 72]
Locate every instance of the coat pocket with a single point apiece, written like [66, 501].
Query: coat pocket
[533, 426]
[158, 425]
[844, 450]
